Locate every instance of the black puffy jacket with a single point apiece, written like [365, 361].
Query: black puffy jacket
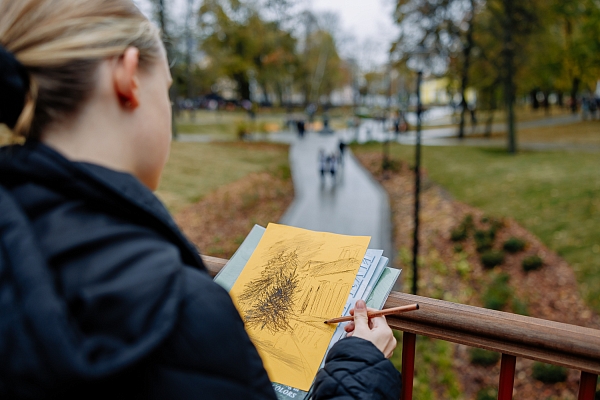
[102, 296]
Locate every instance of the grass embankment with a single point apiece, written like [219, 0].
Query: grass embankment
[217, 192]
[196, 169]
[581, 133]
[556, 195]
[456, 243]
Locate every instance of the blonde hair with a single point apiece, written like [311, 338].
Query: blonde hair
[61, 43]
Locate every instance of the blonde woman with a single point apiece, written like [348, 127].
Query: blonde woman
[101, 296]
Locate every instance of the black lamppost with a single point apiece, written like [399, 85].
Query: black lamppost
[385, 163]
[419, 56]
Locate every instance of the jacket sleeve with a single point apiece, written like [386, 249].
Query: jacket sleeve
[356, 369]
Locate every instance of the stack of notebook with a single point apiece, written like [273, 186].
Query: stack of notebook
[287, 281]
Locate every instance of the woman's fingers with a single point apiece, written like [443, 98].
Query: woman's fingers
[349, 327]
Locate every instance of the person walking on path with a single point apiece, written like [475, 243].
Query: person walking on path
[332, 165]
[323, 165]
[342, 148]
[301, 127]
[102, 294]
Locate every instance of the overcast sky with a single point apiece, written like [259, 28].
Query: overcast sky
[366, 25]
[369, 21]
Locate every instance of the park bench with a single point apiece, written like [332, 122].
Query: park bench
[511, 335]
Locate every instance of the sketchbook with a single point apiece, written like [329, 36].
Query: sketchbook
[286, 281]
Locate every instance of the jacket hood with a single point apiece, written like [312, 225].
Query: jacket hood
[41, 346]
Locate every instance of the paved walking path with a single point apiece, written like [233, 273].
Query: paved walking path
[373, 130]
[354, 203]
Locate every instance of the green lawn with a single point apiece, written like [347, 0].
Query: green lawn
[195, 169]
[580, 133]
[556, 195]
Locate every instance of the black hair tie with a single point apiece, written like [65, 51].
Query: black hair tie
[14, 85]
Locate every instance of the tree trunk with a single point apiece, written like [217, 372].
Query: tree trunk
[265, 94]
[279, 93]
[559, 99]
[465, 72]
[535, 104]
[162, 21]
[243, 85]
[492, 108]
[547, 102]
[509, 85]
[574, 90]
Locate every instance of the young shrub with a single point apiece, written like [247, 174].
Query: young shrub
[483, 240]
[242, 129]
[531, 263]
[458, 234]
[483, 357]
[461, 232]
[514, 245]
[488, 393]
[549, 373]
[498, 294]
[491, 258]
[495, 225]
[458, 248]
[519, 307]
[468, 221]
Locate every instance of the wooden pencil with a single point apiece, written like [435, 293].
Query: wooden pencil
[372, 314]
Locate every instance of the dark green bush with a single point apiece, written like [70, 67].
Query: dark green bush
[519, 307]
[549, 373]
[392, 165]
[492, 222]
[514, 245]
[491, 258]
[489, 393]
[458, 248]
[496, 225]
[458, 234]
[498, 294]
[483, 357]
[483, 240]
[531, 263]
[480, 234]
[461, 232]
[468, 221]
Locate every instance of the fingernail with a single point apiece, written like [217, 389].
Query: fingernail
[360, 304]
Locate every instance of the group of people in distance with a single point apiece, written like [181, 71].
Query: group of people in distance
[331, 163]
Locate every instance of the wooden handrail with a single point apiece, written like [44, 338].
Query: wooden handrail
[537, 339]
[533, 338]
[213, 264]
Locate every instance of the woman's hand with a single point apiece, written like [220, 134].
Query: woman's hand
[375, 330]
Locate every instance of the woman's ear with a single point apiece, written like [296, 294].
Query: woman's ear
[125, 77]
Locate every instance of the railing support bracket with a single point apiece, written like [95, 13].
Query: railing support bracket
[507, 377]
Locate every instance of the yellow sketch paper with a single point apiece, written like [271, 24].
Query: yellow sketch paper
[294, 280]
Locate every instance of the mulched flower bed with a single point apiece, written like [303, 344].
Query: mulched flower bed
[452, 271]
[218, 224]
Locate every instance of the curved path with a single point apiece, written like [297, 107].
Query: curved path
[354, 203]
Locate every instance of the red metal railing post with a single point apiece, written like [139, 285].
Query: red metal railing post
[587, 386]
[507, 377]
[409, 341]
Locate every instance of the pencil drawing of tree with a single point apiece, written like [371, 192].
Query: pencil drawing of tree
[268, 301]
